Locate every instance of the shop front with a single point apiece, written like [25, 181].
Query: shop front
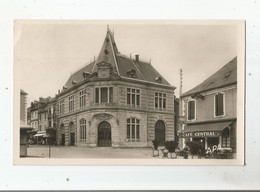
[210, 135]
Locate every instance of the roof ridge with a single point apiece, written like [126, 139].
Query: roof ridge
[82, 67]
[193, 90]
[137, 68]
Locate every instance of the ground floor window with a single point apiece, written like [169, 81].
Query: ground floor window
[83, 129]
[133, 129]
[225, 138]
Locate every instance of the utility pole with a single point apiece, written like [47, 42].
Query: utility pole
[180, 107]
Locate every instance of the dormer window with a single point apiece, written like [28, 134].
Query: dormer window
[65, 87]
[85, 75]
[74, 82]
[158, 80]
[131, 73]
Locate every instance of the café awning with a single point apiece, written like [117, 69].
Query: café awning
[40, 133]
[204, 130]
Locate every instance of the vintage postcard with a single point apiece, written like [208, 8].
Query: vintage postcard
[149, 92]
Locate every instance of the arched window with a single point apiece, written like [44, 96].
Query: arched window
[133, 129]
[83, 129]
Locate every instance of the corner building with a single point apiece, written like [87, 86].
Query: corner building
[210, 110]
[115, 101]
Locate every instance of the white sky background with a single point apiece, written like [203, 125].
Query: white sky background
[49, 52]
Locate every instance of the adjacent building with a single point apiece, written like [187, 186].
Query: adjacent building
[42, 117]
[209, 111]
[24, 127]
[115, 101]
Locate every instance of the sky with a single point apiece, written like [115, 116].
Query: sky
[46, 53]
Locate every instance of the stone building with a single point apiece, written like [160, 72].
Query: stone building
[209, 110]
[33, 115]
[115, 101]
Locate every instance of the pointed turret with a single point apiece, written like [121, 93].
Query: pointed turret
[108, 53]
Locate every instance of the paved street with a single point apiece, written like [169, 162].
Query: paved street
[42, 151]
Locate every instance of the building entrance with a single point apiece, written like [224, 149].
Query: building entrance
[72, 139]
[160, 132]
[104, 134]
[212, 141]
[62, 139]
[72, 133]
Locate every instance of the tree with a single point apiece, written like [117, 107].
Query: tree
[195, 147]
[171, 146]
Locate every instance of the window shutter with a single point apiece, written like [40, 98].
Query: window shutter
[216, 105]
[192, 109]
[220, 104]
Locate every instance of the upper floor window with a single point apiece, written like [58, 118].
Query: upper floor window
[62, 106]
[104, 95]
[40, 117]
[45, 116]
[219, 104]
[71, 103]
[133, 129]
[82, 99]
[40, 127]
[160, 100]
[191, 109]
[83, 129]
[133, 97]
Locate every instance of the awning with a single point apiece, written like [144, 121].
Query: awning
[204, 130]
[40, 133]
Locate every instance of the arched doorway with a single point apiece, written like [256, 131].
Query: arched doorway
[104, 134]
[72, 133]
[62, 131]
[160, 132]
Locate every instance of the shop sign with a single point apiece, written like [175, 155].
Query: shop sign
[200, 134]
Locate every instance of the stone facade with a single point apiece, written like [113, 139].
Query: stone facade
[116, 114]
[115, 101]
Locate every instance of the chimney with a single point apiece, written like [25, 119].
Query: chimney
[58, 91]
[137, 58]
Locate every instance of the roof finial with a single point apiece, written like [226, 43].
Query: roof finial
[108, 28]
[150, 60]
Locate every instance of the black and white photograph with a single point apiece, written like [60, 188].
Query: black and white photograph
[103, 92]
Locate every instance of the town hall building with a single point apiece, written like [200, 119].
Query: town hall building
[115, 101]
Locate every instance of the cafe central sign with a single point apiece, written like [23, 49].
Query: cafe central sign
[200, 134]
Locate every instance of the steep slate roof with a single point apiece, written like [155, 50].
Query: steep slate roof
[225, 76]
[121, 64]
[78, 76]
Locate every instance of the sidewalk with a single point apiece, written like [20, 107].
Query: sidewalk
[78, 152]
[42, 151]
